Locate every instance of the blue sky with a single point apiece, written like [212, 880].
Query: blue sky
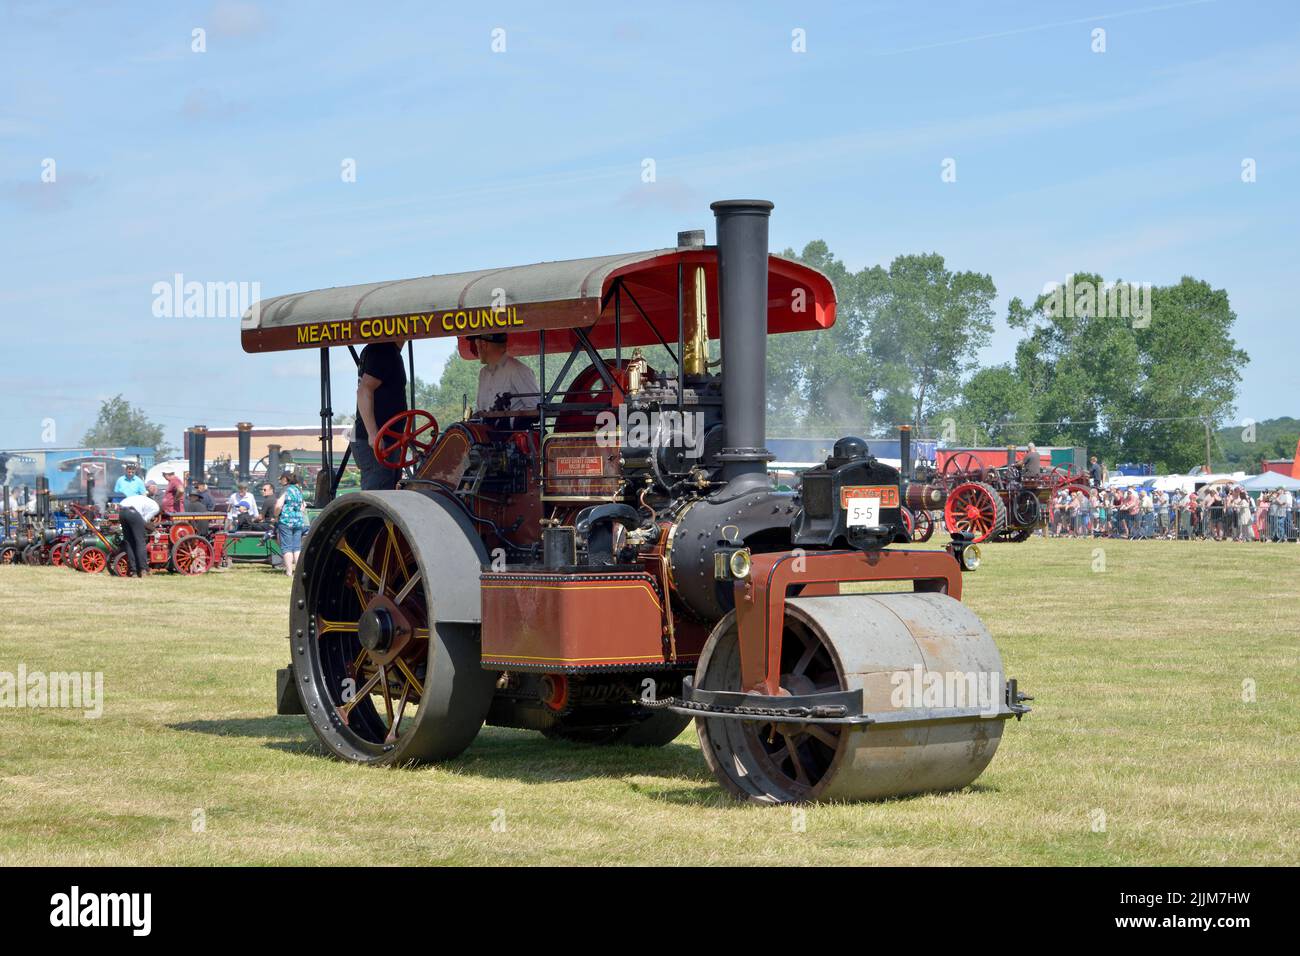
[225, 165]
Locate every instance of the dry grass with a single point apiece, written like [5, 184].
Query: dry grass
[1139, 714]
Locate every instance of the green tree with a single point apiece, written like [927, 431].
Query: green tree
[813, 378]
[119, 424]
[995, 407]
[1131, 387]
[924, 326]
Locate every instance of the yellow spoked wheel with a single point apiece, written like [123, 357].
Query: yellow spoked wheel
[381, 679]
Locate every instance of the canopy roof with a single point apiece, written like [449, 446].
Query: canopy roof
[1270, 481]
[554, 297]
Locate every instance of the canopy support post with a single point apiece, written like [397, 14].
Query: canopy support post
[568, 364]
[410, 372]
[541, 364]
[597, 362]
[326, 419]
[651, 325]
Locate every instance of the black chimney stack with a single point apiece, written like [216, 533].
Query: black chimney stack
[198, 455]
[245, 449]
[742, 299]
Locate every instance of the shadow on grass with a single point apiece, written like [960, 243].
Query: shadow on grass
[527, 757]
[497, 753]
[295, 733]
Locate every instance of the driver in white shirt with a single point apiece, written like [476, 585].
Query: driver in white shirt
[501, 374]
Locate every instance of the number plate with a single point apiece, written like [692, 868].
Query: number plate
[888, 494]
[864, 512]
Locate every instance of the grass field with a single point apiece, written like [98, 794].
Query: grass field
[1140, 750]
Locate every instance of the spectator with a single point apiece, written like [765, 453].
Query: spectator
[266, 519]
[1147, 515]
[292, 521]
[129, 484]
[241, 499]
[200, 499]
[173, 499]
[1095, 472]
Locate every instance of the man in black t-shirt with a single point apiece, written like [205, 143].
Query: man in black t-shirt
[381, 394]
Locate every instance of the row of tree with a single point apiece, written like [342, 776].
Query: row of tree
[1144, 385]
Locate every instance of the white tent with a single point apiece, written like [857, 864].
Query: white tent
[178, 465]
[1270, 481]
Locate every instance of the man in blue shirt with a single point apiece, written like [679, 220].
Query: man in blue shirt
[129, 484]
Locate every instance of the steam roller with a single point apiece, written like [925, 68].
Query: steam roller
[605, 559]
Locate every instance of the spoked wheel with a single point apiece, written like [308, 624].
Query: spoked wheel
[975, 508]
[93, 559]
[119, 566]
[8, 555]
[381, 681]
[919, 524]
[963, 465]
[854, 642]
[1026, 509]
[33, 555]
[192, 555]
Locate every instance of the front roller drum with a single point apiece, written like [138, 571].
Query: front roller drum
[876, 643]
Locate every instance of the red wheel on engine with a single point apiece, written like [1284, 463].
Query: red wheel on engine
[192, 555]
[56, 555]
[93, 560]
[410, 436]
[975, 508]
[923, 527]
[119, 566]
[963, 465]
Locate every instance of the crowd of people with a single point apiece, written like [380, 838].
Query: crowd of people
[1215, 512]
[281, 513]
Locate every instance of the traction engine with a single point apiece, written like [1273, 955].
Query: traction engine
[617, 564]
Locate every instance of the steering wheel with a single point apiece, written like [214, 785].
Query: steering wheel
[409, 438]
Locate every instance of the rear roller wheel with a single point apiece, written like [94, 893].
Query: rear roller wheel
[845, 643]
[381, 679]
